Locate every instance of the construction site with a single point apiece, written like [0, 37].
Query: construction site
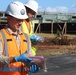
[59, 45]
[57, 29]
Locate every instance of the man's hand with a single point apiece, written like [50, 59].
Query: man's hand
[35, 39]
[34, 68]
[23, 58]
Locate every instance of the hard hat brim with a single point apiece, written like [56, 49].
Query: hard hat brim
[30, 7]
[18, 17]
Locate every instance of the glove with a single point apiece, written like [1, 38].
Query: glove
[33, 39]
[37, 38]
[34, 68]
[23, 58]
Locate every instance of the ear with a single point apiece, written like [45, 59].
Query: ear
[8, 17]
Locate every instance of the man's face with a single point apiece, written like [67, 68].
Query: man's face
[30, 14]
[14, 23]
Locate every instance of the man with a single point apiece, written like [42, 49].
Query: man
[14, 44]
[28, 26]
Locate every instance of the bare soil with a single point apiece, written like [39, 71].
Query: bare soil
[55, 50]
[54, 45]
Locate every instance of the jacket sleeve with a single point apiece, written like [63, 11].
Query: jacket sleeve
[3, 59]
[29, 47]
[30, 50]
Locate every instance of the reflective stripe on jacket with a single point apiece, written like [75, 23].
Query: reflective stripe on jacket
[16, 68]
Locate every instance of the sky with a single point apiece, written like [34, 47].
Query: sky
[62, 6]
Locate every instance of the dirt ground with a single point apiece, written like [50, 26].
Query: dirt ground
[54, 45]
[55, 50]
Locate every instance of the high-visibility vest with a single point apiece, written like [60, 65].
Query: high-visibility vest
[16, 68]
[28, 27]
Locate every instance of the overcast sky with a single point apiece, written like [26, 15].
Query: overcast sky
[62, 6]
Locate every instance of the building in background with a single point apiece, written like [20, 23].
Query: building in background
[47, 22]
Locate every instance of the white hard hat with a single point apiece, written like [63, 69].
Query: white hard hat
[17, 10]
[32, 4]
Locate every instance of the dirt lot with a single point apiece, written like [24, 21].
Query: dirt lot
[57, 51]
[54, 45]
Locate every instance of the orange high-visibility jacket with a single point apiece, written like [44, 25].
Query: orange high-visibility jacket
[16, 68]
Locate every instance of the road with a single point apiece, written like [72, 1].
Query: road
[60, 65]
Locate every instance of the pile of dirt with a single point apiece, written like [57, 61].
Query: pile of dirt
[56, 46]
